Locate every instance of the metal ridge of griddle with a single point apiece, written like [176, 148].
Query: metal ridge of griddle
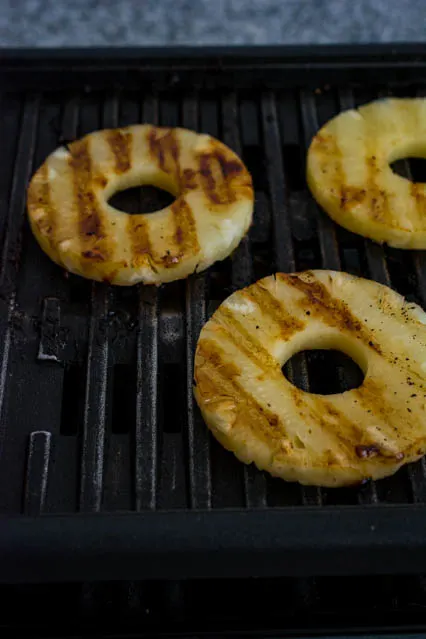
[220, 544]
[107, 470]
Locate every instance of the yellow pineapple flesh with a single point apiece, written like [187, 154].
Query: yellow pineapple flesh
[327, 440]
[349, 174]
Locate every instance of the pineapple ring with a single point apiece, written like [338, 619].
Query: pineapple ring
[349, 175]
[326, 440]
[76, 226]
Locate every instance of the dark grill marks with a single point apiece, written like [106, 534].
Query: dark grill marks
[188, 180]
[218, 175]
[39, 197]
[370, 394]
[91, 228]
[220, 379]
[121, 146]
[352, 440]
[164, 148]
[351, 196]
[325, 416]
[207, 179]
[245, 341]
[379, 205]
[338, 425]
[332, 310]
[270, 306]
[326, 145]
[137, 229]
[229, 168]
[186, 231]
[185, 238]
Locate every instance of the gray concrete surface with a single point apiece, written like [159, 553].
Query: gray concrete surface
[53, 23]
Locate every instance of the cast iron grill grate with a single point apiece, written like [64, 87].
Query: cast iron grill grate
[96, 406]
[94, 403]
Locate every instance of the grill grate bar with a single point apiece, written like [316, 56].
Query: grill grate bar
[284, 250]
[11, 244]
[198, 437]
[95, 409]
[70, 120]
[37, 472]
[326, 229]
[147, 400]
[242, 275]
[5, 344]
[419, 259]
[242, 263]
[10, 129]
[17, 205]
[11, 248]
[146, 450]
[376, 261]
[92, 460]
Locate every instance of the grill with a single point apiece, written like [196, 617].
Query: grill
[107, 471]
[324, 607]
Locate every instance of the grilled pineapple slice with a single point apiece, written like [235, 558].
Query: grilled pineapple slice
[326, 440]
[349, 175]
[74, 224]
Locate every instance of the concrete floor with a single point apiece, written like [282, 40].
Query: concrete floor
[58, 23]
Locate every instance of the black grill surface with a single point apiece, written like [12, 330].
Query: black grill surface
[99, 432]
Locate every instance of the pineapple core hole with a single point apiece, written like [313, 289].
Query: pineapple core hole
[324, 372]
[141, 199]
[411, 168]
